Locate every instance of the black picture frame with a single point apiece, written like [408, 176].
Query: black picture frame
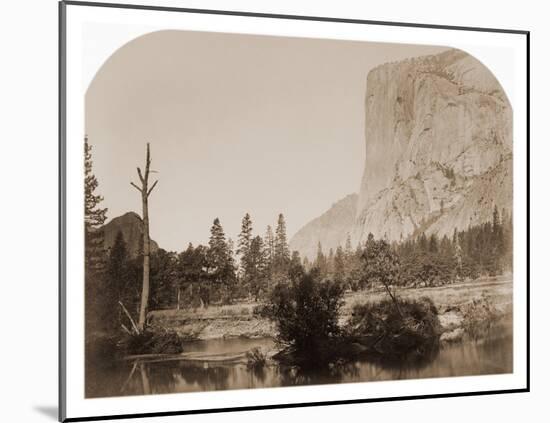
[62, 5]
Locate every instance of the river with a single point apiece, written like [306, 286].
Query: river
[220, 364]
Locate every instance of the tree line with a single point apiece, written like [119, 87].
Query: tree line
[480, 250]
[221, 272]
[204, 274]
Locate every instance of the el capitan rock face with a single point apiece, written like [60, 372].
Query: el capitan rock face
[131, 226]
[438, 147]
[438, 134]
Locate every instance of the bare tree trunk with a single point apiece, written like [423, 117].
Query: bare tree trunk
[145, 192]
[146, 258]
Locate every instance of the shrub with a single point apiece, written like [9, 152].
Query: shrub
[261, 310]
[306, 313]
[255, 359]
[479, 315]
[396, 333]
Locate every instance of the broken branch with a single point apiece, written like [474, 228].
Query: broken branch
[136, 330]
[151, 189]
[135, 186]
[140, 175]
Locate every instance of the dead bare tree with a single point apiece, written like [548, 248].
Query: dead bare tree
[145, 193]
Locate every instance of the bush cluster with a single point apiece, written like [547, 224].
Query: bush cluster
[306, 313]
[395, 332]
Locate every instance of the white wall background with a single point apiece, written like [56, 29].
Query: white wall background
[28, 208]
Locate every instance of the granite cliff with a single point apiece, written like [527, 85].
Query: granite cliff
[438, 134]
[330, 229]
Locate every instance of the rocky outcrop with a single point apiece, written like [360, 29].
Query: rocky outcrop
[438, 147]
[438, 134]
[331, 229]
[131, 226]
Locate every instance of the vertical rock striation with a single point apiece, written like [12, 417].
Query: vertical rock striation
[438, 134]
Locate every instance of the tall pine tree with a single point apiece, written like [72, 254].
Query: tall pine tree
[220, 261]
[218, 253]
[281, 250]
[269, 251]
[97, 314]
[254, 275]
[94, 216]
[321, 261]
[244, 241]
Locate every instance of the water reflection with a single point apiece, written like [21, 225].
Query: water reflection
[415, 359]
[492, 355]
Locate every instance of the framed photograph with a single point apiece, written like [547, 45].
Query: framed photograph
[263, 211]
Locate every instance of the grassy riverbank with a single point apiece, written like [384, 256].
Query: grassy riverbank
[459, 307]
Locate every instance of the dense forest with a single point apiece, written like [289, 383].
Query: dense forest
[222, 272]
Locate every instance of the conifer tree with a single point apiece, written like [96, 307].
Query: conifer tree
[97, 310]
[281, 250]
[458, 255]
[269, 252]
[220, 261]
[339, 265]
[218, 253]
[193, 275]
[269, 243]
[254, 275]
[433, 244]
[295, 269]
[349, 258]
[164, 279]
[245, 238]
[94, 216]
[355, 274]
[321, 261]
[232, 252]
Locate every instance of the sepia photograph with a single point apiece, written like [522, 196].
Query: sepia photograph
[268, 211]
[276, 210]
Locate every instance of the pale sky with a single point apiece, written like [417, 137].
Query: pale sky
[237, 123]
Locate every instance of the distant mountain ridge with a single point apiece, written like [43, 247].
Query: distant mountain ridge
[330, 229]
[438, 134]
[131, 226]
